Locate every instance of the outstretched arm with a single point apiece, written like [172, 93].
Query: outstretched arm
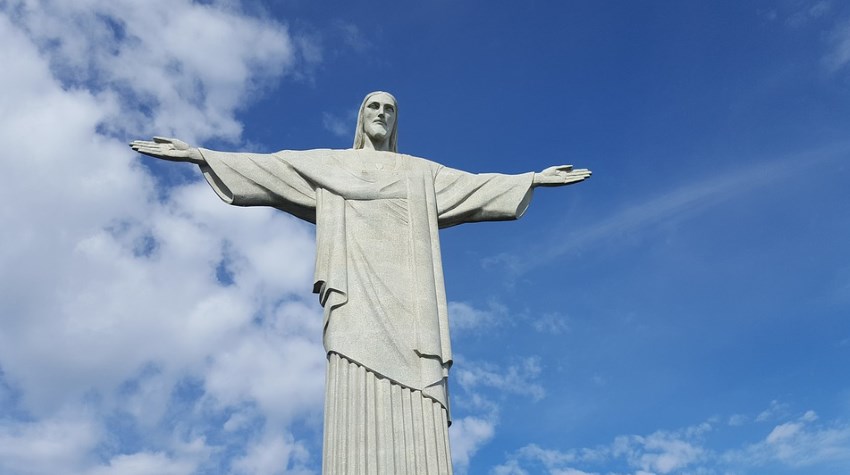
[560, 175]
[165, 148]
[465, 197]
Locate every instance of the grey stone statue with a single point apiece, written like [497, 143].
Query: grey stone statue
[378, 275]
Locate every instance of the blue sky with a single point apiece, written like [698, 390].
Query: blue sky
[685, 311]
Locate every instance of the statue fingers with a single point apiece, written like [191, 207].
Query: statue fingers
[160, 151]
[149, 147]
[149, 152]
[141, 143]
[176, 143]
[152, 147]
[145, 149]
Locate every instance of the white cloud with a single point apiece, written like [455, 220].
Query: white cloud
[283, 376]
[783, 431]
[476, 382]
[516, 378]
[547, 456]
[464, 316]
[273, 455]
[469, 434]
[51, 445]
[191, 65]
[113, 306]
[801, 443]
[145, 463]
[553, 462]
[661, 452]
[666, 454]
[511, 467]
[775, 410]
[809, 416]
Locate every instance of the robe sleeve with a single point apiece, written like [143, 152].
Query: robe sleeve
[249, 179]
[464, 197]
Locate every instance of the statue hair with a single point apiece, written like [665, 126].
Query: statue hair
[359, 133]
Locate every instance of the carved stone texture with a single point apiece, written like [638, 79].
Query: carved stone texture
[378, 274]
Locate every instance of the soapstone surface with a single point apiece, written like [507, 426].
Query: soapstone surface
[378, 268]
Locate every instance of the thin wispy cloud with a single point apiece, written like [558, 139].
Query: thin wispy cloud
[352, 36]
[838, 56]
[682, 202]
[339, 126]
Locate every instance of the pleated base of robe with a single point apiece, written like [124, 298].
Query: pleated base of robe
[374, 426]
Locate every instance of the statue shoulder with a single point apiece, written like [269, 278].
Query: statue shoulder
[311, 152]
[320, 155]
[419, 162]
[348, 156]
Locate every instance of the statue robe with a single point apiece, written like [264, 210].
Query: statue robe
[378, 269]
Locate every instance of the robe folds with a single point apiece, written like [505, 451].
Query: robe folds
[378, 269]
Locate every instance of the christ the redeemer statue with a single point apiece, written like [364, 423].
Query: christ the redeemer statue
[378, 275]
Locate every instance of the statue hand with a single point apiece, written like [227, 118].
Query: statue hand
[560, 175]
[174, 150]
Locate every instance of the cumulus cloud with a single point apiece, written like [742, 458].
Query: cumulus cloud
[535, 458]
[661, 452]
[799, 443]
[143, 463]
[482, 387]
[469, 434]
[477, 382]
[50, 445]
[273, 455]
[167, 65]
[519, 378]
[465, 317]
[140, 325]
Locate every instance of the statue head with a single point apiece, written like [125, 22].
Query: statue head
[377, 121]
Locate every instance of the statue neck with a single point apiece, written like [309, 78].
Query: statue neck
[382, 146]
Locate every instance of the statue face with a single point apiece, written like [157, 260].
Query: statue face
[379, 117]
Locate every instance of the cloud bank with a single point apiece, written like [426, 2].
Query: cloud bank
[143, 329]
